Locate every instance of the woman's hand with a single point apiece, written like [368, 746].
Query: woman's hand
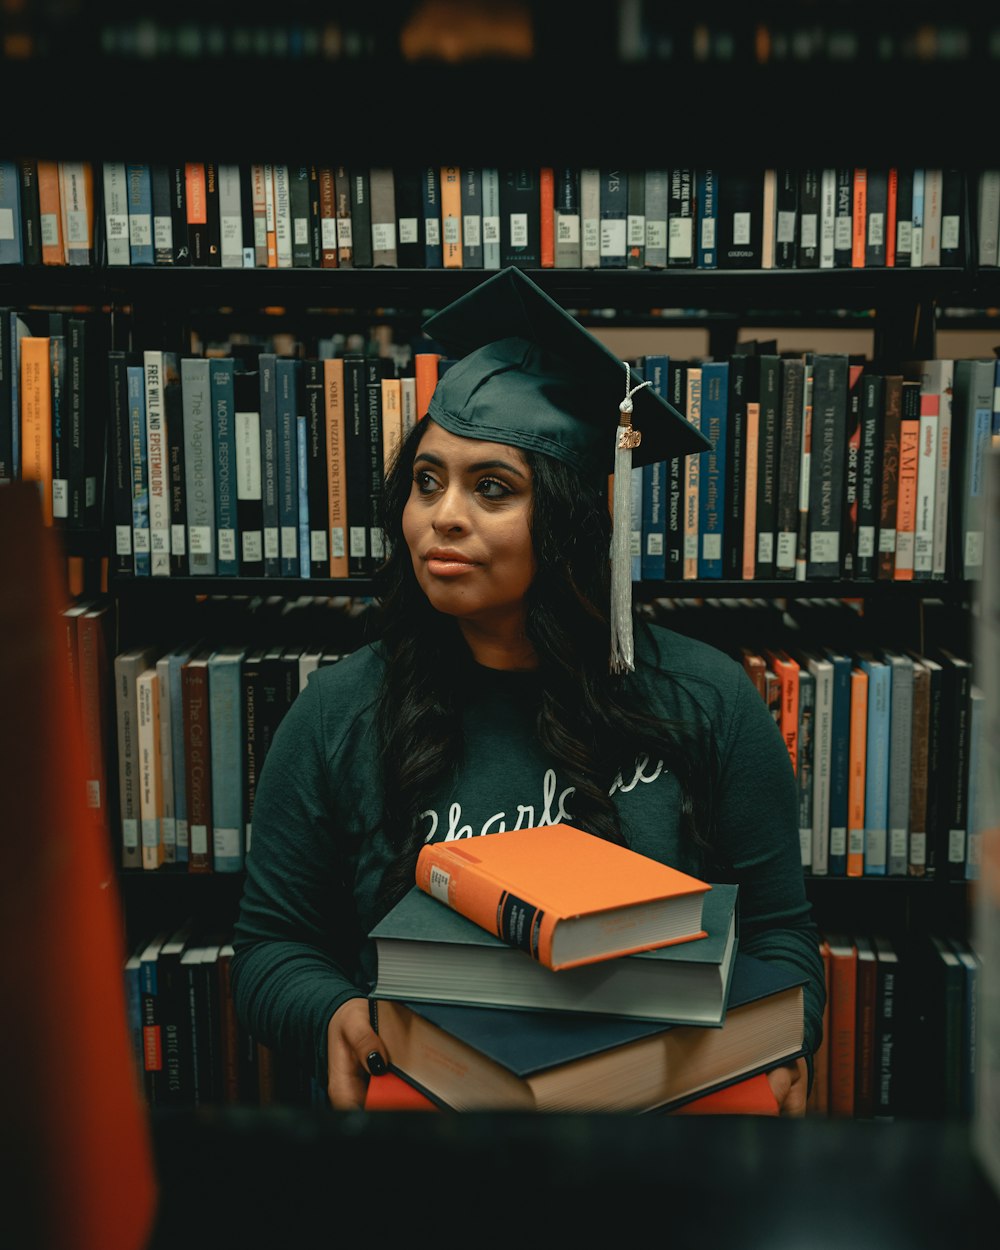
[789, 1084]
[354, 1052]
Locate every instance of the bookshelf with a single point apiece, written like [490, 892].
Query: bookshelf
[900, 309]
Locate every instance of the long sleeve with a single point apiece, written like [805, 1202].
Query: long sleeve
[295, 952]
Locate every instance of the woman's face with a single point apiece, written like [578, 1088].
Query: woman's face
[467, 526]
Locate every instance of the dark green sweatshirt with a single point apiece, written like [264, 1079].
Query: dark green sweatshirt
[316, 857]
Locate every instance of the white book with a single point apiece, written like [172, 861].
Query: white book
[590, 218]
[127, 666]
[230, 217]
[154, 368]
[933, 188]
[168, 822]
[942, 373]
[408, 394]
[199, 464]
[988, 217]
[491, 216]
[822, 671]
[116, 213]
[150, 789]
[282, 217]
[827, 216]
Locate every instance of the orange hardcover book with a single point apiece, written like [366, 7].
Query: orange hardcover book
[859, 217]
[392, 420]
[786, 669]
[451, 216]
[547, 218]
[50, 213]
[843, 1024]
[336, 464]
[906, 488]
[751, 1096]
[750, 491]
[892, 190]
[819, 1096]
[425, 371]
[196, 201]
[36, 418]
[562, 895]
[857, 752]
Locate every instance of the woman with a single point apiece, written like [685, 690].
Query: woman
[489, 701]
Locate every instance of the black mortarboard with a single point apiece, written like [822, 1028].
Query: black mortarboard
[529, 375]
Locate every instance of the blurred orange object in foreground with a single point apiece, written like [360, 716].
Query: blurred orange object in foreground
[77, 1161]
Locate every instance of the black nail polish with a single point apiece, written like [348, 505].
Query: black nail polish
[376, 1064]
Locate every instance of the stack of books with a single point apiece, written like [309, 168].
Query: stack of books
[550, 970]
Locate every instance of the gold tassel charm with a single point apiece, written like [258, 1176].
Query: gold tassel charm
[626, 439]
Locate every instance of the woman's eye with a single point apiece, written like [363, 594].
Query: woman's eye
[424, 481]
[490, 488]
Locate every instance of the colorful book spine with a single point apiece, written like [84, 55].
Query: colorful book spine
[713, 482]
[139, 184]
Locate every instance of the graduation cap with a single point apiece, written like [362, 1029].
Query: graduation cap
[529, 375]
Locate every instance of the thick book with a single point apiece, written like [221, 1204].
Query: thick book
[382, 198]
[313, 406]
[249, 494]
[828, 441]
[613, 219]
[225, 707]
[427, 951]
[471, 1058]
[887, 1026]
[741, 218]
[491, 217]
[563, 895]
[199, 464]
[471, 206]
[843, 1023]
[786, 216]
[657, 202]
[115, 185]
[31, 215]
[361, 217]
[162, 213]
[409, 217]
[139, 201]
[786, 521]
[590, 217]
[807, 236]
[298, 205]
[127, 666]
[520, 217]
[451, 216]
[566, 217]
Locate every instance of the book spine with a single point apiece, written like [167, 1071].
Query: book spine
[301, 223]
[590, 218]
[889, 490]
[126, 717]
[804, 764]
[491, 220]
[789, 457]
[361, 218]
[31, 220]
[807, 243]
[226, 721]
[196, 209]
[223, 400]
[333, 384]
[269, 479]
[613, 219]
[163, 221]
[314, 408]
[286, 399]
[382, 189]
[139, 185]
[877, 769]
[451, 216]
[249, 487]
[50, 209]
[135, 377]
[116, 213]
[120, 463]
[900, 766]
[843, 1030]
[740, 384]
[858, 753]
[916, 860]
[357, 464]
[471, 204]
[805, 479]
[431, 200]
[156, 459]
[692, 476]
[149, 775]
[176, 749]
[168, 819]
[231, 241]
[173, 412]
[453, 880]
[281, 179]
[198, 464]
[566, 217]
[59, 417]
[748, 567]
[82, 430]
[178, 215]
[372, 399]
[713, 478]
[827, 218]
[302, 449]
[869, 474]
[328, 218]
[76, 201]
[635, 219]
[840, 762]
[826, 466]
[822, 673]
[767, 464]
[520, 217]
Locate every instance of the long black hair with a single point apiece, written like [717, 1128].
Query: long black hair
[589, 720]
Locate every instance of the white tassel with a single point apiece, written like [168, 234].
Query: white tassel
[626, 438]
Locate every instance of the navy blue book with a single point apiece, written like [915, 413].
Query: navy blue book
[431, 208]
[119, 463]
[674, 520]
[655, 370]
[139, 181]
[713, 479]
[286, 390]
[614, 219]
[313, 408]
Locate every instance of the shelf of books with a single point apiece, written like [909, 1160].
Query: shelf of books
[831, 541]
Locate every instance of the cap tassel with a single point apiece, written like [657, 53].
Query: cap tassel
[626, 438]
